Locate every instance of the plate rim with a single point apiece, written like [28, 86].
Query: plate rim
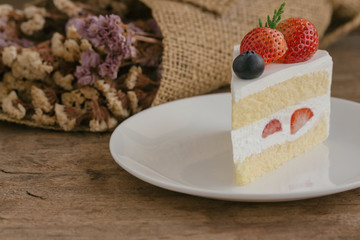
[221, 195]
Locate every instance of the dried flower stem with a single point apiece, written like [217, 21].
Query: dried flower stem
[147, 39]
[151, 35]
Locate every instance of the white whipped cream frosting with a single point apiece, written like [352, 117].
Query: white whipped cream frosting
[248, 140]
[276, 72]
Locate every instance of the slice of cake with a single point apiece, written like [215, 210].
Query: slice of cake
[284, 109]
[279, 115]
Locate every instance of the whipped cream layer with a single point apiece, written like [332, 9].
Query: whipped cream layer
[248, 140]
[275, 73]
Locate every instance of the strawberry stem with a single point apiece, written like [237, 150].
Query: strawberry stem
[271, 23]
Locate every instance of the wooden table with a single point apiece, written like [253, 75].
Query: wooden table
[56, 185]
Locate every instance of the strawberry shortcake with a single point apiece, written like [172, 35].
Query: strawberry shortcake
[280, 96]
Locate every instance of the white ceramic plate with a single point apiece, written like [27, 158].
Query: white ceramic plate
[185, 146]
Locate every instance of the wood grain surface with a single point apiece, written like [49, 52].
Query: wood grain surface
[56, 185]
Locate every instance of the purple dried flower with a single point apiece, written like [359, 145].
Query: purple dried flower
[78, 23]
[111, 32]
[85, 73]
[105, 31]
[111, 65]
[134, 29]
[92, 31]
[3, 21]
[90, 59]
[23, 42]
[85, 76]
[3, 41]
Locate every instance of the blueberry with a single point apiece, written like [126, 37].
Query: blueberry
[248, 65]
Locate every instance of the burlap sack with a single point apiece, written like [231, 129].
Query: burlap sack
[199, 36]
[346, 8]
[346, 17]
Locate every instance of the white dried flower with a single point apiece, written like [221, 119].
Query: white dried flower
[40, 100]
[32, 11]
[134, 102]
[78, 97]
[19, 12]
[12, 106]
[85, 45]
[89, 92]
[101, 120]
[40, 117]
[10, 80]
[4, 91]
[36, 20]
[102, 125]
[67, 7]
[64, 82]
[72, 33]
[111, 122]
[97, 125]
[65, 122]
[29, 65]
[5, 9]
[73, 99]
[9, 55]
[140, 99]
[33, 25]
[117, 106]
[132, 76]
[68, 49]
[16, 84]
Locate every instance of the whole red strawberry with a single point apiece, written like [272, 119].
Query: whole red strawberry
[266, 41]
[269, 43]
[301, 38]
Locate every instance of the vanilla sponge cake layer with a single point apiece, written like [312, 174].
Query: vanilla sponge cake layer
[256, 165]
[259, 105]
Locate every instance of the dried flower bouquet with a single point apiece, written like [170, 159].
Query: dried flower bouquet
[69, 66]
